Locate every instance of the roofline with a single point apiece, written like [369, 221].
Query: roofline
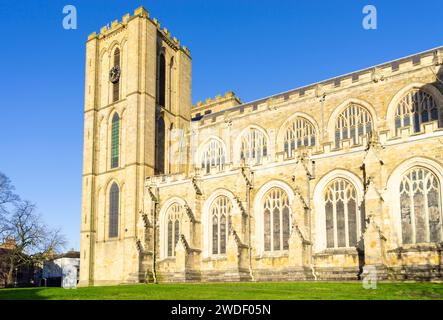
[324, 81]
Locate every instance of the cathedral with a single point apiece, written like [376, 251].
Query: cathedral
[323, 182]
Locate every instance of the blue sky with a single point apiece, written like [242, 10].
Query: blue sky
[255, 48]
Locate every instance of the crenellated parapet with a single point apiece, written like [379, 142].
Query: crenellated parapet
[323, 90]
[213, 105]
[117, 26]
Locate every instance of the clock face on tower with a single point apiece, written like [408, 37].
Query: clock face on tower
[114, 74]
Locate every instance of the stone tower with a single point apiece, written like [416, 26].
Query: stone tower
[137, 92]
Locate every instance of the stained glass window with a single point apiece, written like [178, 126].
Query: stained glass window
[253, 146]
[420, 207]
[174, 220]
[299, 133]
[220, 212]
[353, 123]
[113, 210]
[213, 156]
[415, 108]
[115, 141]
[276, 217]
[341, 214]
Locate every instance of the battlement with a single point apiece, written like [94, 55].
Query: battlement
[213, 105]
[320, 90]
[140, 12]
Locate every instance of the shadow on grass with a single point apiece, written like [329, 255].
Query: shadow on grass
[22, 294]
[41, 293]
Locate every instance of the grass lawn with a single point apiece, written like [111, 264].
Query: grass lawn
[235, 291]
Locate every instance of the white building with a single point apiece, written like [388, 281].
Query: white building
[55, 270]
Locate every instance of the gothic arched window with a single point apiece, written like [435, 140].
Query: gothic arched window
[276, 220]
[174, 221]
[353, 123]
[160, 142]
[341, 214]
[415, 108]
[253, 147]
[115, 141]
[113, 210]
[300, 132]
[162, 80]
[116, 81]
[220, 217]
[420, 207]
[213, 156]
[171, 82]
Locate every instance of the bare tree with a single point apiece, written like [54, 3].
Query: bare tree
[35, 242]
[7, 194]
[7, 199]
